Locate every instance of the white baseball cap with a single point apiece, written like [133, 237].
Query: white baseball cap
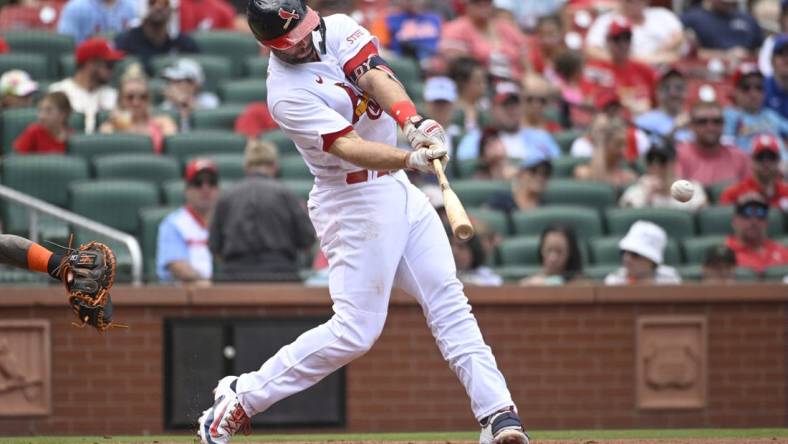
[17, 83]
[184, 69]
[646, 239]
[440, 88]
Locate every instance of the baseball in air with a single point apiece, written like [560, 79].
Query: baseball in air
[682, 190]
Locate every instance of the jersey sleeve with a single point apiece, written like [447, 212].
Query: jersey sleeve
[352, 43]
[311, 123]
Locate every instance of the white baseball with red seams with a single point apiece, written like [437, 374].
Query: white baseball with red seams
[377, 234]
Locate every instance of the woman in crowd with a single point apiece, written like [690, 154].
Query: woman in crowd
[608, 136]
[559, 256]
[493, 162]
[49, 133]
[470, 76]
[470, 257]
[133, 113]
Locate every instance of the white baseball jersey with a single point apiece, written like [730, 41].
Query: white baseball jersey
[314, 103]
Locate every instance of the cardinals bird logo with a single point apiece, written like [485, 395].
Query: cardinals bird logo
[289, 16]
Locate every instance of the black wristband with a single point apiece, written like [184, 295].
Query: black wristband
[54, 265]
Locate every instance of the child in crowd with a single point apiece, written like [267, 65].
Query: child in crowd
[49, 133]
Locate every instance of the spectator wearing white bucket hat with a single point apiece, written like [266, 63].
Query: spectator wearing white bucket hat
[16, 89]
[642, 251]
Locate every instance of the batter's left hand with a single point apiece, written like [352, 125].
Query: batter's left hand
[422, 133]
[421, 159]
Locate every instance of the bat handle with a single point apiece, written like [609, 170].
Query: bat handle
[442, 180]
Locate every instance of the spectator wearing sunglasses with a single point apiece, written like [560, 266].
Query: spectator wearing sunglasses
[642, 251]
[182, 253]
[708, 160]
[749, 240]
[652, 190]
[133, 113]
[765, 178]
[537, 95]
[748, 117]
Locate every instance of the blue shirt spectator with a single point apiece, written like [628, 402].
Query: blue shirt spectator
[414, 34]
[776, 86]
[723, 26]
[530, 140]
[83, 19]
[659, 122]
[742, 127]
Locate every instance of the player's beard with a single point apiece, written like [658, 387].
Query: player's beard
[308, 56]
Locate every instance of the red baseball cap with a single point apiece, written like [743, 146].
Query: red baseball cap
[199, 165]
[765, 142]
[619, 26]
[606, 98]
[97, 48]
[745, 70]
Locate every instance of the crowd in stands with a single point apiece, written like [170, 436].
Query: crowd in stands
[615, 97]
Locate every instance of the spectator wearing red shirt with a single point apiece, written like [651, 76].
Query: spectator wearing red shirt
[48, 135]
[765, 178]
[634, 81]
[205, 14]
[708, 160]
[749, 240]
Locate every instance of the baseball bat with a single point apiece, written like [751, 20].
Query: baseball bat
[458, 218]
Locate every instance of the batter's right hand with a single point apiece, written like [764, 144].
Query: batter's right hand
[421, 159]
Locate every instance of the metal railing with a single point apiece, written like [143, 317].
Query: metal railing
[36, 206]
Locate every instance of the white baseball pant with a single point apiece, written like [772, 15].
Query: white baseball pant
[376, 235]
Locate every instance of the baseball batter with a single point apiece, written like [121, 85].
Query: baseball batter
[331, 92]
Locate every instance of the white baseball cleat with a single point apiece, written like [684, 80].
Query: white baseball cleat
[225, 418]
[503, 427]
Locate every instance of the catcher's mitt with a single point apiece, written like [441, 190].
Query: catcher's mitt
[88, 273]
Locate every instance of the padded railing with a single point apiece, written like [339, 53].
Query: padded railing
[35, 206]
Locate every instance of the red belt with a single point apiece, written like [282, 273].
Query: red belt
[362, 176]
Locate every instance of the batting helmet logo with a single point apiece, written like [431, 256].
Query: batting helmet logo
[289, 16]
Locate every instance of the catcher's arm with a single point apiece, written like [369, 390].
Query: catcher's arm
[26, 254]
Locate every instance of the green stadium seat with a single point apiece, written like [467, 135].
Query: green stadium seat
[565, 138]
[514, 273]
[173, 193]
[677, 223]
[476, 192]
[231, 165]
[776, 273]
[215, 68]
[49, 44]
[691, 273]
[585, 221]
[464, 169]
[42, 176]
[233, 45]
[15, 120]
[695, 247]
[495, 220]
[409, 73]
[605, 251]
[196, 143]
[599, 272]
[293, 167]
[714, 191]
[284, 144]
[90, 146]
[219, 118]
[243, 91]
[34, 64]
[564, 166]
[256, 67]
[113, 202]
[146, 167]
[746, 274]
[574, 192]
[519, 250]
[299, 187]
[717, 221]
[150, 218]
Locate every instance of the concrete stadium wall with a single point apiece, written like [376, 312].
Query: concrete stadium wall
[569, 355]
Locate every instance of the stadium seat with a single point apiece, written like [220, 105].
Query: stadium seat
[15, 120]
[494, 220]
[293, 167]
[34, 64]
[219, 118]
[746, 274]
[677, 223]
[599, 272]
[90, 146]
[146, 167]
[18, 277]
[564, 166]
[715, 191]
[49, 44]
[692, 272]
[476, 192]
[150, 218]
[409, 73]
[514, 273]
[464, 169]
[283, 143]
[231, 165]
[256, 67]
[195, 143]
[215, 68]
[113, 202]
[605, 251]
[233, 45]
[776, 273]
[573, 192]
[173, 192]
[299, 187]
[43, 176]
[717, 221]
[565, 138]
[695, 247]
[584, 221]
[243, 91]
[519, 250]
